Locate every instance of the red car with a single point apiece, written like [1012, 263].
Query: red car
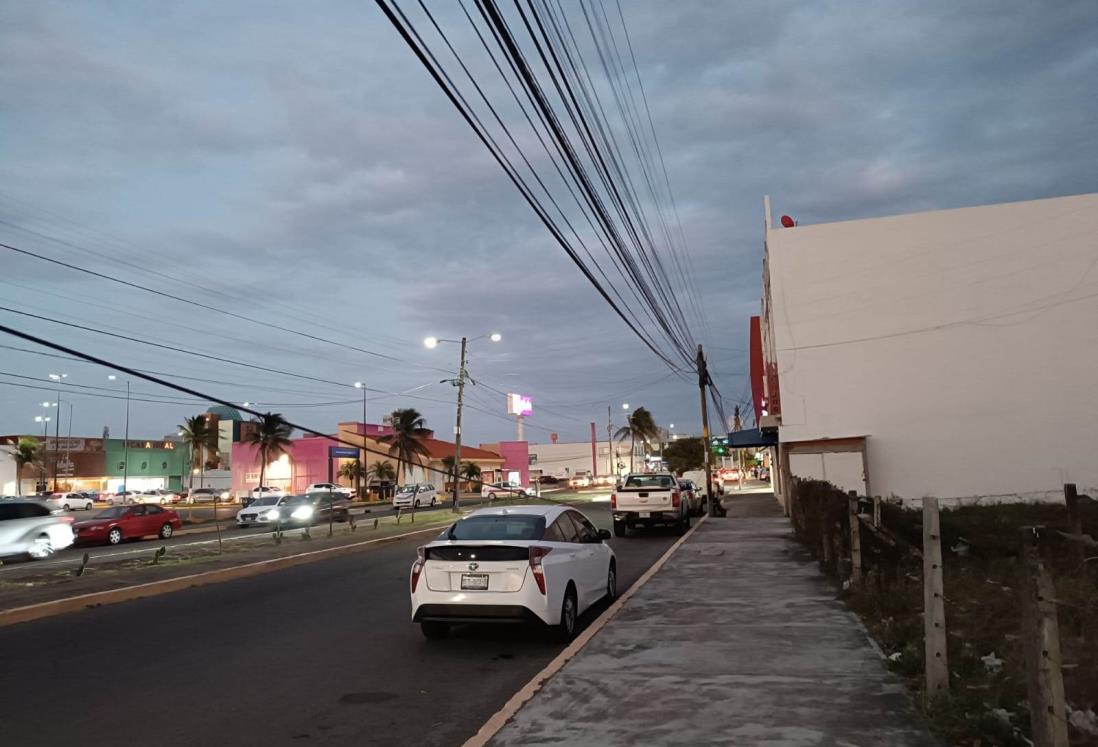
[117, 523]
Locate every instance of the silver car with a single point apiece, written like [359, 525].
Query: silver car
[30, 528]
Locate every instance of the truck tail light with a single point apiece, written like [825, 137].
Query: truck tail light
[676, 498]
[613, 501]
[536, 554]
[417, 568]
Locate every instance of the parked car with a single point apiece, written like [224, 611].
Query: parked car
[209, 495]
[159, 496]
[314, 508]
[121, 498]
[548, 480]
[544, 564]
[647, 499]
[68, 501]
[29, 527]
[256, 493]
[579, 481]
[331, 487]
[693, 497]
[266, 510]
[112, 525]
[505, 489]
[414, 496]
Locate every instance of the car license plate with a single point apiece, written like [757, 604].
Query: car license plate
[474, 581]
[645, 514]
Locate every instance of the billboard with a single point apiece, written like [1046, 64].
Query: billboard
[519, 404]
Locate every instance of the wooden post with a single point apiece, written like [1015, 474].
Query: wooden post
[934, 623]
[1041, 636]
[855, 541]
[877, 511]
[1075, 524]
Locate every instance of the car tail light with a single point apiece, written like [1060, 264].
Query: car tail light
[613, 500]
[68, 519]
[417, 568]
[536, 554]
[676, 497]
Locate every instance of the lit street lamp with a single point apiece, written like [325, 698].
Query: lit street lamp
[126, 436]
[432, 342]
[45, 421]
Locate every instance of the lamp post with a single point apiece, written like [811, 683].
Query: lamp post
[432, 342]
[45, 421]
[126, 437]
[363, 479]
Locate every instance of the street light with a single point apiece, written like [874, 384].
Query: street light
[364, 480]
[432, 342]
[625, 405]
[57, 377]
[126, 436]
[45, 421]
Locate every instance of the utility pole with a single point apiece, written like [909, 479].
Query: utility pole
[126, 447]
[362, 477]
[457, 427]
[609, 441]
[703, 381]
[56, 440]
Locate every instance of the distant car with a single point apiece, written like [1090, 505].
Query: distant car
[692, 496]
[548, 480]
[313, 508]
[544, 564]
[331, 487]
[266, 510]
[29, 527]
[159, 496]
[503, 489]
[121, 498]
[112, 525]
[264, 491]
[209, 495]
[580, 481]
[414, 496]
[69, 501]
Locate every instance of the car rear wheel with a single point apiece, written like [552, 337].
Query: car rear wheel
[619, 528]
[67, 507]
[166, 531]
[565, 631]
[88, 506]
[433, 630]
[415, 504]
[114, 536]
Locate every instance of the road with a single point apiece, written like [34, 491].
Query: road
[318, 654]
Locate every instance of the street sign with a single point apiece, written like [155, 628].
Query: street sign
[342, 452]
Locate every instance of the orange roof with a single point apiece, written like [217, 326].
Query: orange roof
[439, 449]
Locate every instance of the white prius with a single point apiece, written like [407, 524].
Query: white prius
[545, 564]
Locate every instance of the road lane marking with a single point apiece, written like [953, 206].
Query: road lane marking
[519, 699]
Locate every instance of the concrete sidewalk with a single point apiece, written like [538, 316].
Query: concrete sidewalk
[737, 640]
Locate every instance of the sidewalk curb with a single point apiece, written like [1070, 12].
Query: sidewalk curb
[527, 691]
[64, 606]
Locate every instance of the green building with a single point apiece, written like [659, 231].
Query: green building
[149, 462]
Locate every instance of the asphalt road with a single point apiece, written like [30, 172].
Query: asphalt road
[319, 654]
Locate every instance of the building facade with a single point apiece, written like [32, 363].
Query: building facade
[947, 354]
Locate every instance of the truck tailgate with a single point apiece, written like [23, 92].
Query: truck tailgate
[643, 500]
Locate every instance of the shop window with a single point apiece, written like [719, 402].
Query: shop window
[164, 466]
[144, 465]
[121, 465]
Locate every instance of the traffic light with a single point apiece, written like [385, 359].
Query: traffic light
[719, 445]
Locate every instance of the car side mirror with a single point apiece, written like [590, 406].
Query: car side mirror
[604, 534]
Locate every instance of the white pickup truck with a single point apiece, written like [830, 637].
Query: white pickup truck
[647, 499]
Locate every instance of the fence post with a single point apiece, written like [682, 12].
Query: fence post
[855, 541]
[934, 623]
[1041, 636]
[1075, 524]
[877, 511]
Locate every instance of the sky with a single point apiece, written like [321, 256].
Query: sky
[293, 163]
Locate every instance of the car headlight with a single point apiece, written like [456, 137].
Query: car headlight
[273, 514]
[302, 512]
[225, 496]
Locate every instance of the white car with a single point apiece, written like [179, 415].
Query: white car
[540, 563]
[415, 496]
[210, 495]
[124, 498]
[158, 496]
[505, 489]
[331, 487]
[31, 528]
[265, 492]
[69, 501]
[266, 510]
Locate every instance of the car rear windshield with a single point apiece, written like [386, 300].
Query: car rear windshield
[267, 500]
[648, 481]
[499, 527]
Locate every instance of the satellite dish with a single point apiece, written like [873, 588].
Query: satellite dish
[788, 222]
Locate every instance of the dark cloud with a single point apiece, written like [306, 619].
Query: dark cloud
[293, 162]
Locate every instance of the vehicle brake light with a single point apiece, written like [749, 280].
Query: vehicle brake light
[613, 500]
[675, 498]
[68, 519]
[417, 567]
[536, 554]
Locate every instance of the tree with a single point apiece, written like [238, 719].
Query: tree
[640, 427]
[382, 472]
[470, 471]
[26, 452]
[406, 440]
[685, 454]
[353, 470]
[271, 437]
[196, 434]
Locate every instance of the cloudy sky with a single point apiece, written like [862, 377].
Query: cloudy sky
[292, 162]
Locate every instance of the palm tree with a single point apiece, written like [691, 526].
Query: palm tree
[27, 451]
[353, 470]
[382, 471]
[406, 440]
[196, 434]
[470, 471]
[271, 437]
[640, 427]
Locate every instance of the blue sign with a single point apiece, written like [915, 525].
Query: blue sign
[342, 452]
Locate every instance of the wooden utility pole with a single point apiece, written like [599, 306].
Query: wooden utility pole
[1041, 636]
[703, 382]
[855, 541]
[934, 623]
[1075, 524]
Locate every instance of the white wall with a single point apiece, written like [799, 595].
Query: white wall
[964, 343]
[568, 459]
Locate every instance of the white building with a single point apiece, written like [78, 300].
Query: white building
[952, 353]
[564, 460]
